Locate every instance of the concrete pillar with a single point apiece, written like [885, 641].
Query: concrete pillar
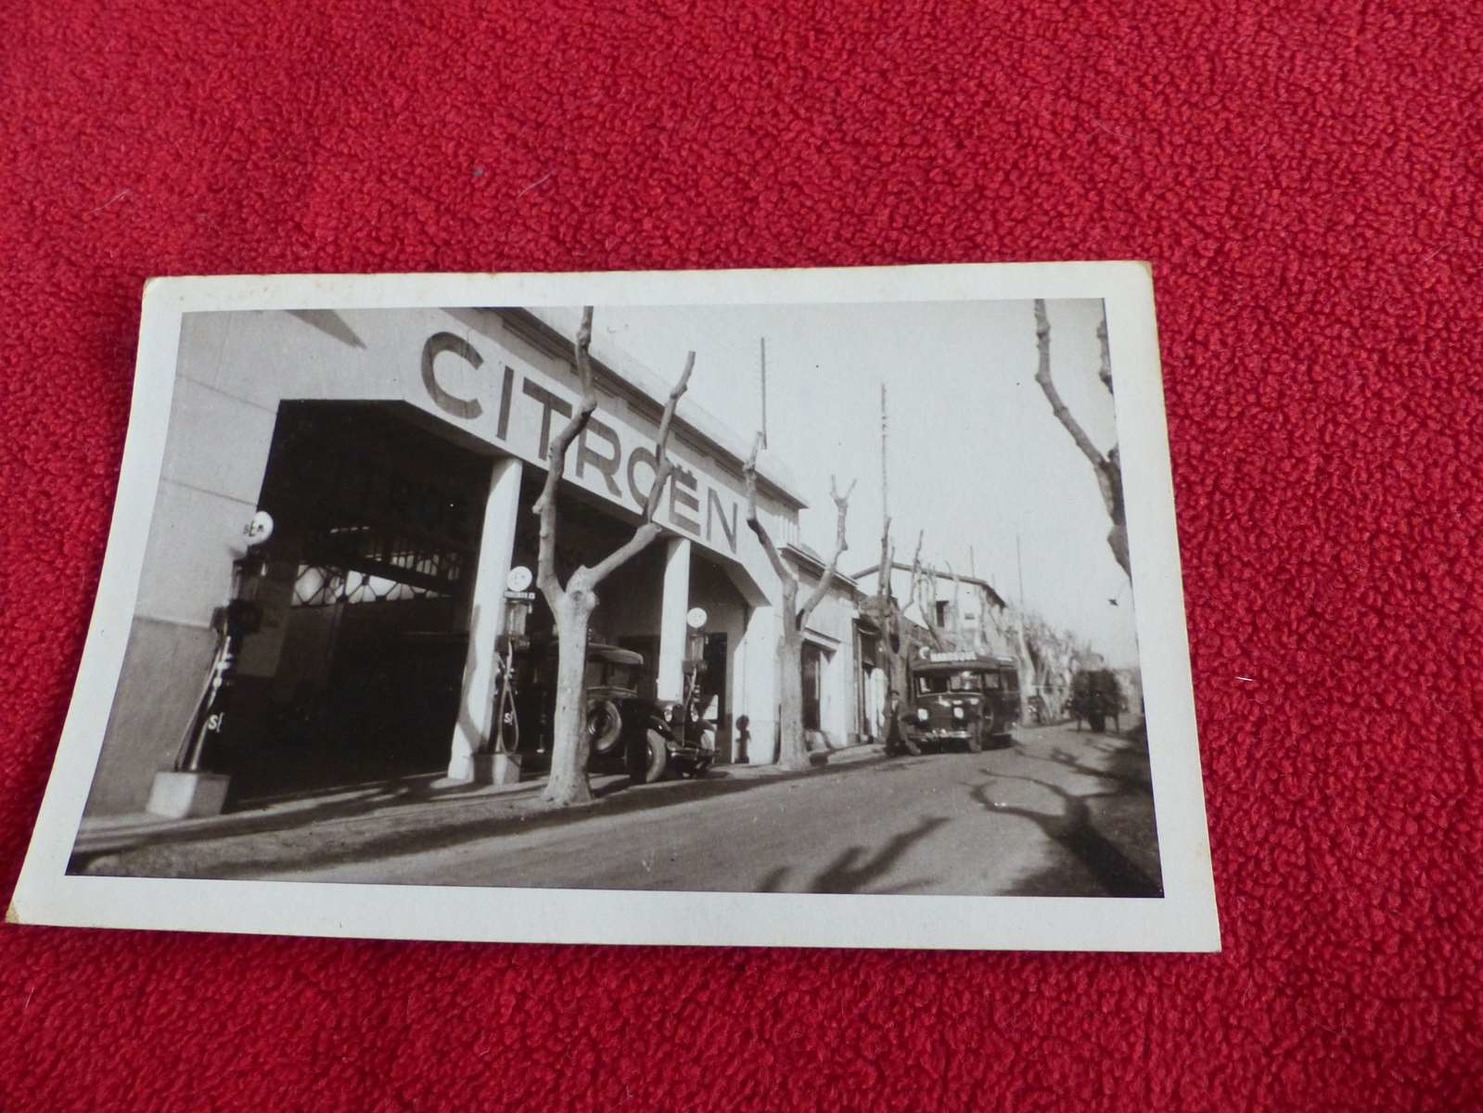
[472, 731]
[672, 628]
[756, 692]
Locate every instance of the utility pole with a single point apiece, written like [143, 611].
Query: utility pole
[1020, 568]
[1019, 564]
[885, 503]
[887, 661]
[764, 392]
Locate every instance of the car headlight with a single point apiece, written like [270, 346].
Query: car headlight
[921, 714]
[957, 713]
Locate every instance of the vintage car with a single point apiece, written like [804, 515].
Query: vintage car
[960, 696]
[1096, 696]
[626, 732]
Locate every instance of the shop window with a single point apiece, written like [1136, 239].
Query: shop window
[370, 509]
[318, 586]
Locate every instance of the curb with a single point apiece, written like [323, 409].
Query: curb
[353, 828]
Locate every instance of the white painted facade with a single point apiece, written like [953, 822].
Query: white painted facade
[494, 382]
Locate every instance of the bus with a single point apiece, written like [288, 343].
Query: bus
[960, 696]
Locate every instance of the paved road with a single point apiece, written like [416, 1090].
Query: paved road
[1061, 813]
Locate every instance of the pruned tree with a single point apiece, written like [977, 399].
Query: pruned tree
[1107, 468]
[960, 636]
[572, 604]
[884, 599]
[924, 593]
[792, 744]
[889, 654]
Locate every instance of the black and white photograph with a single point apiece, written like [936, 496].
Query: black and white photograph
[801, 608]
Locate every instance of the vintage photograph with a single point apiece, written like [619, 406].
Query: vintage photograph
[606, 595]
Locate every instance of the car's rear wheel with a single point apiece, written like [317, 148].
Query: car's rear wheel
[604, 726]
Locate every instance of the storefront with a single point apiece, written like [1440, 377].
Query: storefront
[399, 453]
[830, 654]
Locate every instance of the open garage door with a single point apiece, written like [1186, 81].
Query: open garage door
[355, 676]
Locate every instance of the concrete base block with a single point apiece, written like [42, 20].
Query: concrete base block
[486, 769]
[504, 769]
[183, 795]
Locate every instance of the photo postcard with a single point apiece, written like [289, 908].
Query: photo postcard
[776, 608]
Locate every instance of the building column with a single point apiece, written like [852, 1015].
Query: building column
[471, 732]
[672, 626]
[757, 691]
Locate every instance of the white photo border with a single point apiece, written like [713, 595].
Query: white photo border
[1184, 919]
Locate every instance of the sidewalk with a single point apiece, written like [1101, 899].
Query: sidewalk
[393, 817]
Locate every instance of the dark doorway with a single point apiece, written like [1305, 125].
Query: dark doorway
[356, 675]
[813, 685]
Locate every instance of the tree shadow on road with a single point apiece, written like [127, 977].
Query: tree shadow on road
[1127, 770]
[1074, 830]
[852, 871]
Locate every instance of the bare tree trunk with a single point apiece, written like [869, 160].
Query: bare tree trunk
[568, 781]
[959, 639]
[572, 605]
[792, 745]
[1105, 468]
[886, 656]
[924, 593]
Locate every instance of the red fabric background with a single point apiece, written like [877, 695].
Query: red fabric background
[1306, 184]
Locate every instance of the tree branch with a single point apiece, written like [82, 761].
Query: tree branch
[1104, 372]
[1062, 414]
[545, 505]
[923, 577]
[913, 588]
[648, 530]
[883, 575]
[749, 473]
[662, 466]
[841, 543]
[957, 604]
[642, 538]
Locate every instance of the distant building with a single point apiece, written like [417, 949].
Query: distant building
[962, 608]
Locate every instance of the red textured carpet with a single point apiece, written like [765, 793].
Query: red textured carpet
[1306, 184]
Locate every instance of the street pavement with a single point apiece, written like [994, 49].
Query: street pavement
[1060, 812]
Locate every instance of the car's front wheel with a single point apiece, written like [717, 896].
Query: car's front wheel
[647, 757]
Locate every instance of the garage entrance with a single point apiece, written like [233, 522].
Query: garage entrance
[356, 673]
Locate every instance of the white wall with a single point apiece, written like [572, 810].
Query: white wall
[235, 368]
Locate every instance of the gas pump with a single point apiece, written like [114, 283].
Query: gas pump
[187, 788]
[694, 725]
[518, 602]
[241, 616]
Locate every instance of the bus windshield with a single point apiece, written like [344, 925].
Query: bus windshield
[937, 682]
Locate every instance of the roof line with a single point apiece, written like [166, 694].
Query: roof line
[901, 567]
[636, 379]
